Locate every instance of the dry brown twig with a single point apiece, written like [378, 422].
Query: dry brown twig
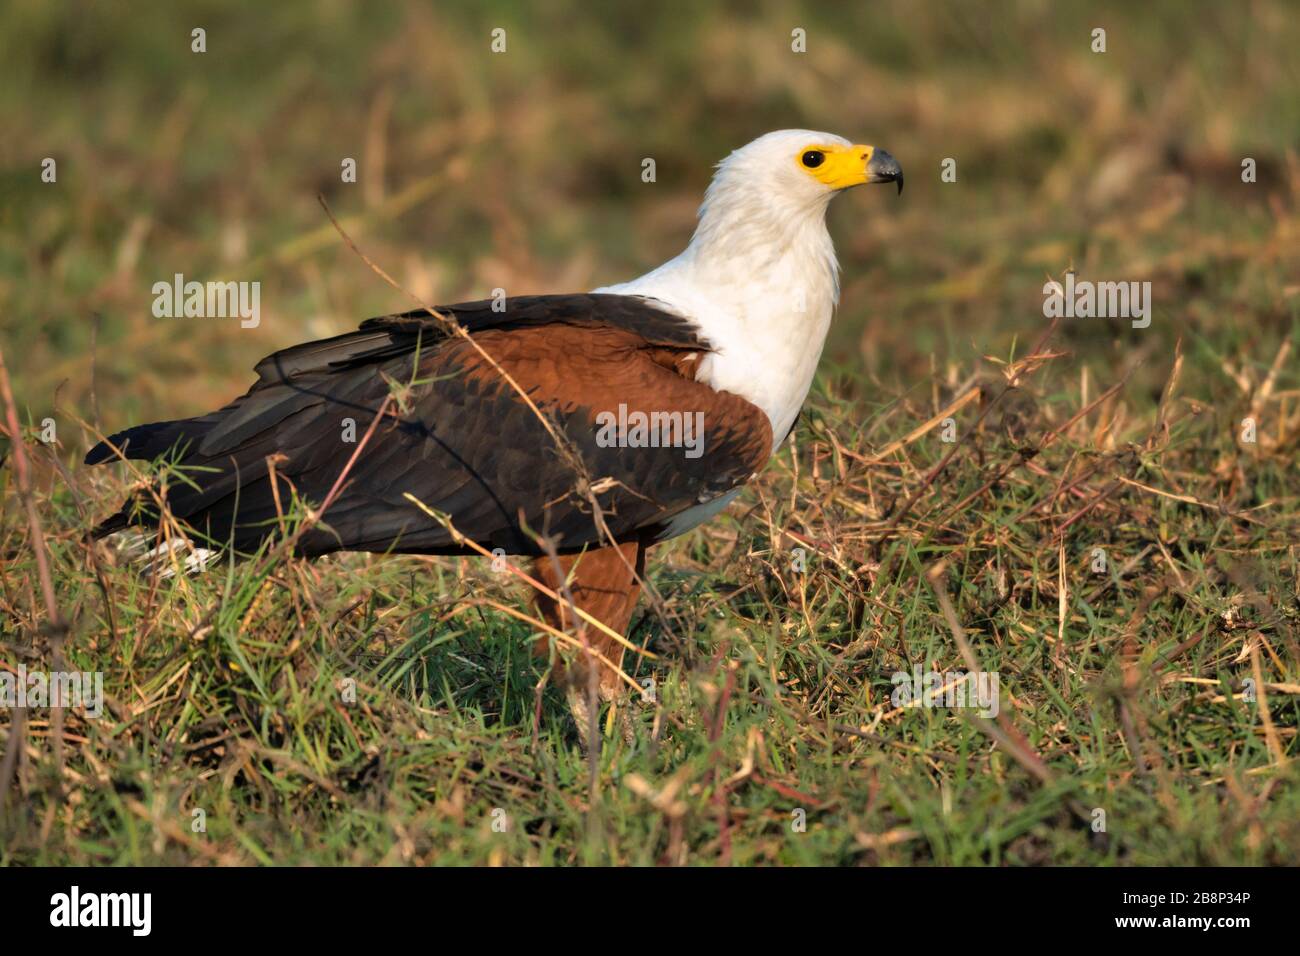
[55, 624]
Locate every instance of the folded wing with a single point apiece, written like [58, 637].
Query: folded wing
[460, 438]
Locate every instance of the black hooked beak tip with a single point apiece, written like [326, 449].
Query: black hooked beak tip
[883, 168]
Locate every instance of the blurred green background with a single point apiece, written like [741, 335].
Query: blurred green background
[522, 170]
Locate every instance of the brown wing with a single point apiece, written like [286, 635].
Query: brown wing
[466, 444]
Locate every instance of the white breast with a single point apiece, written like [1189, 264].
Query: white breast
[766, 315]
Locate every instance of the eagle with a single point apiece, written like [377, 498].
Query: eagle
[578, 430]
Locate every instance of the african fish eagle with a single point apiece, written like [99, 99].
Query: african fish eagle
[727, 334]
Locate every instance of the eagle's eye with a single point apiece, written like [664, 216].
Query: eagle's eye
[813, 158]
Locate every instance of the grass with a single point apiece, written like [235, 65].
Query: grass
[1123, 690]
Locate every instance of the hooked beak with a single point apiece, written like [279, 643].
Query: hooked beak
[883, 168]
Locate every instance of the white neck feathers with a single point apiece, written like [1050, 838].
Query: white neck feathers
[761, 281]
